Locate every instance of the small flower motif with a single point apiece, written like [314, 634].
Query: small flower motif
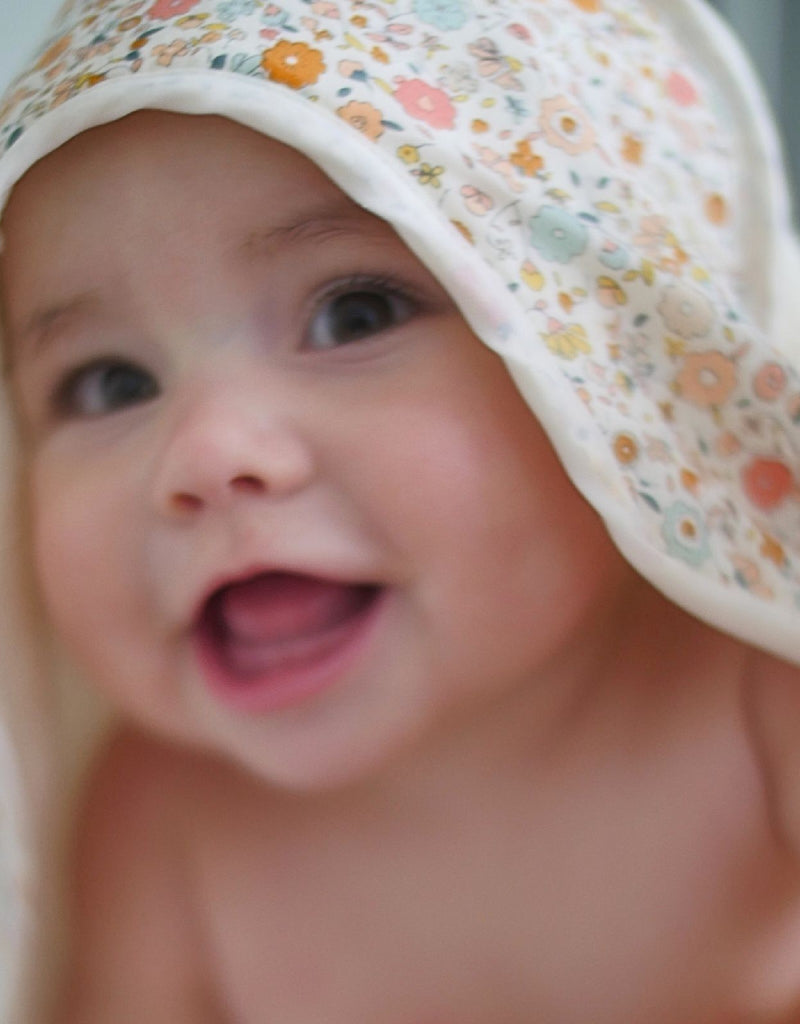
[568, 341]
[166, 54]
[557, 234]
[772, 550]
[408, 154]
[685, 534]
[716, 209]
[727, 444]
[707, 379]
[429, 175]
[191, 21]
[625, 448]
[632, 149]
[686, 311]
[458, 78]
[479, 126]
[590, 6]
[293, 64]
[54, 51]
[566, 125]
[426, 103]
[363, 117]
[476, 201]
[230, 10]
[532, 276]
[464, 231]
[610, 294]
[615, 257]
[681, 90]
[446, 15]
[164, 9]
[770, 382]
[525, 160]
[748, 575]
[767, 483]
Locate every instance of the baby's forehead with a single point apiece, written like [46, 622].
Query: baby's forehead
[156, 156]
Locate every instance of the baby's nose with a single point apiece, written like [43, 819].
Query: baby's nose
[216, 456]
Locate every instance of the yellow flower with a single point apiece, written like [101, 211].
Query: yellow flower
[531, 276]
[567, 340]
[408, 154]
[429, 175]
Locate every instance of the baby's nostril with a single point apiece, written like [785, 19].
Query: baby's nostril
[183, 502]
[248, 483]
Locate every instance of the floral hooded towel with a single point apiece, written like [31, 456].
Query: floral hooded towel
[598, 186]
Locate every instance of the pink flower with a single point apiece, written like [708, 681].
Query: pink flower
[165, 9]
[425, 103]
[681, 90]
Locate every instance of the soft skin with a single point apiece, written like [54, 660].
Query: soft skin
[406, 459]
[536, 791]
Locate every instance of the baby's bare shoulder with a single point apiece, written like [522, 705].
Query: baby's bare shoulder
[136, 954]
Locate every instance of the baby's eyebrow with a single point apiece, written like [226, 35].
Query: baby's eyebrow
[314, 226]
[44, 322]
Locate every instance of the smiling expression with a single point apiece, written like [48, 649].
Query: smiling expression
[286, 506]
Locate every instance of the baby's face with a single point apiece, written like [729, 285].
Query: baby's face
[285, 505]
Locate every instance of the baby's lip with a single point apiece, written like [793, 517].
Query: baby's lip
[271, 639]
[266, 616]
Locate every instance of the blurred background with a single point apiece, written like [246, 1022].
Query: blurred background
[769, 28]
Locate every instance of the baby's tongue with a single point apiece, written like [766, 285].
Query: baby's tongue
[266, 619]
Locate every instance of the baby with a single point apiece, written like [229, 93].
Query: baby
[330, 328]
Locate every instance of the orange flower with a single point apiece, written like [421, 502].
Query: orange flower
[770, 382]
[53, 52]
[716, 208]
[380, 55]
[772, 550]
[590, 6]
[293, 64]
[632, 149]
[706, 378]
[526, 160]
[364, 117]
[767, 482]
[626, 449]
[690, 480]
[479, 125]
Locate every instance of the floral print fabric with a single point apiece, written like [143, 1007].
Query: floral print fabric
[570, 147]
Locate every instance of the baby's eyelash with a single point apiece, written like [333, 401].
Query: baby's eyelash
[369, 282]
[359, 308]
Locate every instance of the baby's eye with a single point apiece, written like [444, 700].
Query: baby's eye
[104, 387]
[357, 313]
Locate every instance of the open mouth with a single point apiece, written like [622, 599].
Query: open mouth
[277, 638]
